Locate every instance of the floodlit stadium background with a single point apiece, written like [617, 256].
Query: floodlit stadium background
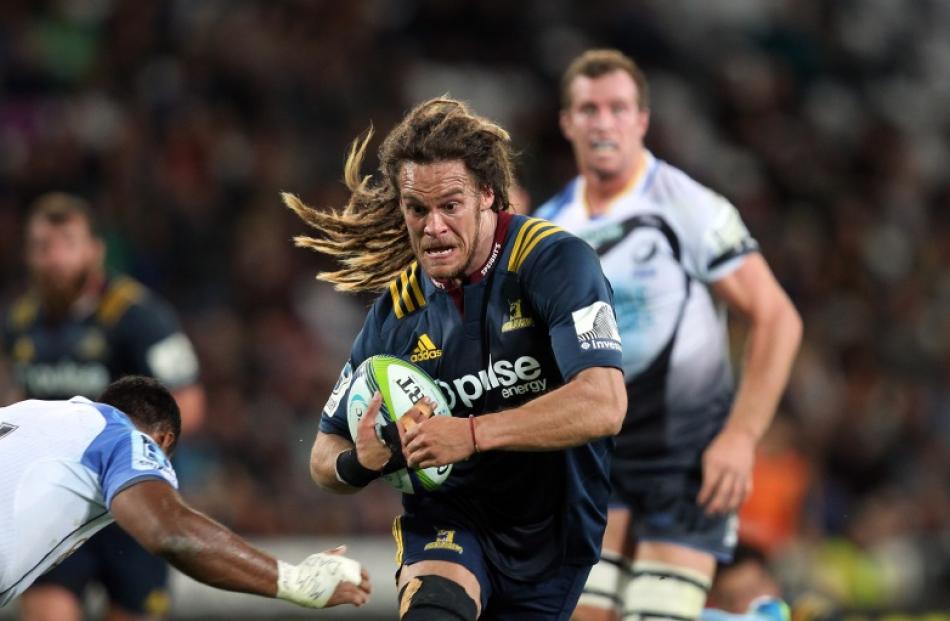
[825, 122]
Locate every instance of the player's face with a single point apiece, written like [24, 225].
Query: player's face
[61, 256]
[448, 216]
[605, 124]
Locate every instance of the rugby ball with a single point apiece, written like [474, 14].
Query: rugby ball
[401, 384]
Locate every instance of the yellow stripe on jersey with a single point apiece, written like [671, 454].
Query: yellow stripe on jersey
[532, 222]
[24, 312]
[532, 232]
[414, 282]
[394, 292]
[406, 292]
[123, 293]
[534, 242]
[397, 535]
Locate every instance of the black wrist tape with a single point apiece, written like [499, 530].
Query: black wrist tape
[352, 472]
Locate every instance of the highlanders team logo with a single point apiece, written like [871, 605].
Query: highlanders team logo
[444, 540]
[92, 346]
[516, 320]
[23, 349]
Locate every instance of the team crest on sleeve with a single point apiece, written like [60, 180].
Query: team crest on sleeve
[727, 231]
[596, 327]
[339, 390]
[146, 455]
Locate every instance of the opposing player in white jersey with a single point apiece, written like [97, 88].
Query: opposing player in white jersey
[675, 253]
[72, 467]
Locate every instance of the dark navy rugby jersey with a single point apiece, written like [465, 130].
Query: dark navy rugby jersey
[540, 313]
[130, 332]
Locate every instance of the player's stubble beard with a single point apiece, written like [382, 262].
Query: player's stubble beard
[59, 295]
[466, 266]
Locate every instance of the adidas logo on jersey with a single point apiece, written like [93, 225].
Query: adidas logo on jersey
[425, 350]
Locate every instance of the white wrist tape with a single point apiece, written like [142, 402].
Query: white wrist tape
[312, 582]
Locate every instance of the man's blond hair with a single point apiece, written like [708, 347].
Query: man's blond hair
[595, 63]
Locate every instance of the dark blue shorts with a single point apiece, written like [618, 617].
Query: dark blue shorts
[134, 579]
[664, 509]
[503, 598]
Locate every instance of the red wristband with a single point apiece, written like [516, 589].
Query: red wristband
[471, 425]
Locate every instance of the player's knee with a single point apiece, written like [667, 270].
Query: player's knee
[434, 598]
[664, 591]
[50, 603]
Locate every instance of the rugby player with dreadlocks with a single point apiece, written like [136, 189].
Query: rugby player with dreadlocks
[528, 356]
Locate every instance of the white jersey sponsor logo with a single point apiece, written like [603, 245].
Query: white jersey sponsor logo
[173, 360]
[342, 385]
[65, 378]
[596, 327]
[523, 376]
[147, 456]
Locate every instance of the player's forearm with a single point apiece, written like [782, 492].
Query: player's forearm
[153, 513]
[212, 554]
[326, 448]
[592, 405]
[771, 347]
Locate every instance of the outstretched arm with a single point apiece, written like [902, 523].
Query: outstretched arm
[775, 331]
[155, 515]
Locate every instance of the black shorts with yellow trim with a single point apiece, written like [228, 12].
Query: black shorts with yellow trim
[418, 539]
[502, 597]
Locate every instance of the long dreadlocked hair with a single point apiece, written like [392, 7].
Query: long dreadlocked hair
[369, 237]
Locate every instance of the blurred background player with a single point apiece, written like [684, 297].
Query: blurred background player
[742, 581]
[77, 329]
[71, 467]
[516, 301]
[674, 251]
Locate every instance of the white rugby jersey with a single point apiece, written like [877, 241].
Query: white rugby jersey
[661, 243]
[61, 464]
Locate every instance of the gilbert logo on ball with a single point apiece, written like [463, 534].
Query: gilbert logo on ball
[401, 385]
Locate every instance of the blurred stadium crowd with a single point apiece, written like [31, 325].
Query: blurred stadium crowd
[826, 123]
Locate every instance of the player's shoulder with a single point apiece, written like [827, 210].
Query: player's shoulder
[404, 295]
[555, 206]
[140, 454]
[122, 296]
[530, 238]
[674, 190]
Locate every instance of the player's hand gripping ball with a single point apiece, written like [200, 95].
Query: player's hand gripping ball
[402, 386]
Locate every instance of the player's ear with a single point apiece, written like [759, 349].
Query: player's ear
[487, 198]
[99, 252]
[643, 122]
[166, 440]
[564, 120]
